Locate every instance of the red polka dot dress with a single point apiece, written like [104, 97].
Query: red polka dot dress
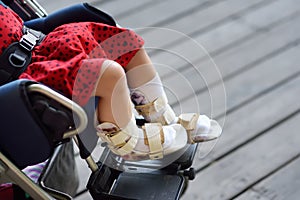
[69, 58]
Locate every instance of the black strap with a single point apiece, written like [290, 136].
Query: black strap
[17, 56]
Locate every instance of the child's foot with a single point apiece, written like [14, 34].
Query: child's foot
[151, 102]
[153, 141]
[199, 127]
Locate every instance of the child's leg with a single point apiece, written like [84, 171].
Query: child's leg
[117, 124]
[113, 109]
[139, 65]
[146, 87]
[148, 95]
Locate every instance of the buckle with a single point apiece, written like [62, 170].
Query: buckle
[28, 41]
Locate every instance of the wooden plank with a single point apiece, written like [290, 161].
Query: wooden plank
[194, 55]
[284, 184]
[215, 101]
[158, 11]
[120, 9]
[197, 47]
[184, 42]
[197, 22]
[254, 195]
[116, 7]
[248, 164]
[266, 45]
[256, 80]
[260, 47]
[194, 75]
[270, 14]
[204, 20]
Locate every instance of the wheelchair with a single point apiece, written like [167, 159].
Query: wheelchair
[27, 137]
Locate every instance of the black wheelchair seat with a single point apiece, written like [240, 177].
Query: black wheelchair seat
[21, 129]
[33, 122]
[81, 12]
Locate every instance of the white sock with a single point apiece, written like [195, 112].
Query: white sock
[148, 92]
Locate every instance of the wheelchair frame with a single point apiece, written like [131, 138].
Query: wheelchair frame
[8, 169]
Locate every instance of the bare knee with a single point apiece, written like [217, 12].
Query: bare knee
[111, 74]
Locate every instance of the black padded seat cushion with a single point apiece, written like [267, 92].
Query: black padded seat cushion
[22, 138]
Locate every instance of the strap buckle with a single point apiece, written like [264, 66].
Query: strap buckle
[28, 41]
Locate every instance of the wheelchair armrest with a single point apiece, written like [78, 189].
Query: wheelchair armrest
[30, 129]
[82, 12]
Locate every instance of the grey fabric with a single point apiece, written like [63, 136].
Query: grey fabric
[61, 172]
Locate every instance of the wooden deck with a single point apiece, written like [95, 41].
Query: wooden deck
[251, 85]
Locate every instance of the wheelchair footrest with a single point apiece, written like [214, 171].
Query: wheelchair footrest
[107, 183]
[148, 186]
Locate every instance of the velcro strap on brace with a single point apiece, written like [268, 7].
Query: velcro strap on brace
[127, 148]
[122, 141]
[168, 116]
[155, 137]
[118, 139]
[156, 106]
[189, 122]
[152, 107]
